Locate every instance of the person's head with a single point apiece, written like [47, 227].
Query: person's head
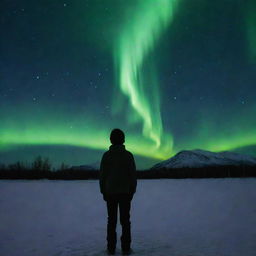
[117, 137]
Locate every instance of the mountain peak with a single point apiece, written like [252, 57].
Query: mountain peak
[202, 158]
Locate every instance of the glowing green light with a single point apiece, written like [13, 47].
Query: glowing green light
[50, 129]
[136, 41]
[231, 137]
[91, 139]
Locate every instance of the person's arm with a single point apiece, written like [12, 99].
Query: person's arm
[133, 175]
[103, 175]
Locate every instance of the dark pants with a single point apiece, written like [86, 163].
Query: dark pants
[124, 203]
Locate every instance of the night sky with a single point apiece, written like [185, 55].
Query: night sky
[173, 74]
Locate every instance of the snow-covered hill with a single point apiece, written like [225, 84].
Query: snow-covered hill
[201, 158]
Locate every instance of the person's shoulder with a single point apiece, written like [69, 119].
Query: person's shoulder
[105, 154]
[129, 153]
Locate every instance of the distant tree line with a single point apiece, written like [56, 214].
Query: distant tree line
[41, 168]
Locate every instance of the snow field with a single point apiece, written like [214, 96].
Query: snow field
[189, 217]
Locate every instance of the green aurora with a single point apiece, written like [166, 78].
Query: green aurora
[136, 41]
[42, 130]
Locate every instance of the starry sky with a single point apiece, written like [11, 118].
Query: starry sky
[172, 74]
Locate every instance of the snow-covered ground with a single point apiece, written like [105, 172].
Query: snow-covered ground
[191, 217]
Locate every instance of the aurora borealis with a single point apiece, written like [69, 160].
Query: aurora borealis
[136, 41]
[173, 74]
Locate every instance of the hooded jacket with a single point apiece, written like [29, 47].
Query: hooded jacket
[117, 171]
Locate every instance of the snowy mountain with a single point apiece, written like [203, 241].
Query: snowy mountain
[202, 158]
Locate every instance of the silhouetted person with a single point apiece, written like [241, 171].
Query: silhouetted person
[118, 185]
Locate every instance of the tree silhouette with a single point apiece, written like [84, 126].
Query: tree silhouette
[41, 164]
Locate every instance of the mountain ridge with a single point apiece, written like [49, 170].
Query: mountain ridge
[201, 158]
